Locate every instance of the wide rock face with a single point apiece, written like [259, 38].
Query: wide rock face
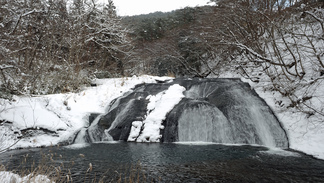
[207, 110]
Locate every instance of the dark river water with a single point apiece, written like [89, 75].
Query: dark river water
[170, 162]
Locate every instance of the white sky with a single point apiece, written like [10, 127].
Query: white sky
[136, 7]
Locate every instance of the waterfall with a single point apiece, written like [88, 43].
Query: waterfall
[81, 137]
[208, 110]
[204, 123]
[234, 114]
[96, 133]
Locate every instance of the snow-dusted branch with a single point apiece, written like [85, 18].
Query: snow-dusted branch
[7, 148]
[20, 17]
[4, 66]
[320, 20]
[260, 59]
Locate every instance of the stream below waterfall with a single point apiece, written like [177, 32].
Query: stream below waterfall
[174, 162]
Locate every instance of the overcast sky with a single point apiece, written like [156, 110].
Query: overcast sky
[136, 7]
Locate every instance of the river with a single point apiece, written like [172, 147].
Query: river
[172, 162]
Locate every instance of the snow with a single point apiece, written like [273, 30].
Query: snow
[305, 131]
[135, 130]
[65, 114]
[5, 66]
[27, 112]
[158, 107]
[304, 134]
[9, 177]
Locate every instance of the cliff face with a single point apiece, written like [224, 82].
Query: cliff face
[208, 110]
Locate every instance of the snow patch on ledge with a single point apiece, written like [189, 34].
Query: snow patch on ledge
[6, 176]
[64, 114]
[158, 108]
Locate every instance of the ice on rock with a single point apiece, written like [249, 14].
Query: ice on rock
[158, 107]
[135, 130]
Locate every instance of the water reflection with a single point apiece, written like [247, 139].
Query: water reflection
[179, 162]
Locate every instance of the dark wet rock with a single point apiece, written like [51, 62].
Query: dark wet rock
[213, 110]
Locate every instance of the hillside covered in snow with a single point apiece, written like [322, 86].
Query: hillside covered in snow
[50, 51]
[50, 120]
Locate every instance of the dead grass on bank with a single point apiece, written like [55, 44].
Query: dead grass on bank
[52, 171]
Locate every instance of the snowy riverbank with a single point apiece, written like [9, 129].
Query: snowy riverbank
[57, 118]
[52, 119]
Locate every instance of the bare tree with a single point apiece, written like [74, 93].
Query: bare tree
[287, 47]
[46, 47]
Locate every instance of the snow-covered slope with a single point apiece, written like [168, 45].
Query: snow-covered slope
[50, 119]
[305, 134]
[57, 118]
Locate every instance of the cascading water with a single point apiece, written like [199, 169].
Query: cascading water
[205, 123]
[245, 118]
[81, 137]
[210, 110]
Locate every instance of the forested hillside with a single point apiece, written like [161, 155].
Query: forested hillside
[57, 46]
[279, 44]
